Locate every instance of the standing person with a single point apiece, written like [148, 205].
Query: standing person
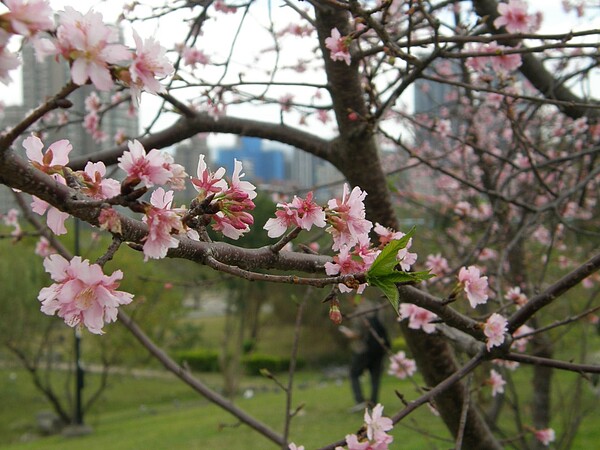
[369, 343]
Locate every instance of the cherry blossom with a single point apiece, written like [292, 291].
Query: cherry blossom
[55, 157]
[207, 182]
[401, 366]
[293, 446]
[96, 186]
[88, 44]
[418, 318]
[162, 221]
[346, 263]
[109, 220]
[43, 247]
[515, 295]
[520, 343]
[514, 17]
[285, 216]
[303, 213]
[494, 329]
[474, 285]
[8, 60]
[377, 425]
[28, 17]
[82, 294]
[149, 62]
[193, 56]
[347, 218]
[338, 47]
[545, 436]
[147, 168]
[437, 264]
[497, 382]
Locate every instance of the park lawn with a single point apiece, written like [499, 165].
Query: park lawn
[162, 413]
[165, 414]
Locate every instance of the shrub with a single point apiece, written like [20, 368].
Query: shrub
[201, 359]
[257, 361]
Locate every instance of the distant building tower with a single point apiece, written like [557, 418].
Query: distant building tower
[261, 165]
[187, 154]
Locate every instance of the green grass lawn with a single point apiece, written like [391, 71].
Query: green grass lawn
[162, 413]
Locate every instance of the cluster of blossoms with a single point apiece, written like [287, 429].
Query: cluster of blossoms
[514, 17]
[24, 18]
[226, 203]
[418, 318]
[345, 221]
[11, 219]
[94, 53]
[401, 366]
[82, 294]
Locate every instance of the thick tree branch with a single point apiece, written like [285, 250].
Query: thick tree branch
[553, 292]
[187, 127]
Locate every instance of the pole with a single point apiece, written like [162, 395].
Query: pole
[79, 373]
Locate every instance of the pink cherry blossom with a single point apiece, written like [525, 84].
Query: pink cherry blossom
[96, 186]
[386, 235]
[88, 44]
[148, 168]
[193, 56]
[437, 264]
[545, 436]
[237, 185]
[208, 183]
[514, 17]
[149, 62]
[55, 157]
[109, 220]
[494, 329]
[354, 444]
[11, 219]
[497, 382]
[418, 318]
[28, 17]
[347, 218]
[309, 213]
[474, 285]
[401, 366]
[43, 247]
[293, 446]
[82, 294]
[377, 425]
[405, 258]
[178, 174]
[338, 47]
[515, 295]
[8, 60]
[346, 263]
[303, 213]
[520, 343]
[161, 221]
[285, 217]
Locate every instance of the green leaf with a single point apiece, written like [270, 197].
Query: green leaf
[386, 260]
[390, 290]
[383, 272]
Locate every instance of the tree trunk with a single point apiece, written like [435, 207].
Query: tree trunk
[356, 155]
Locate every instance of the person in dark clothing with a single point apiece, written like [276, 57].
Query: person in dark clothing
[369, 345]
